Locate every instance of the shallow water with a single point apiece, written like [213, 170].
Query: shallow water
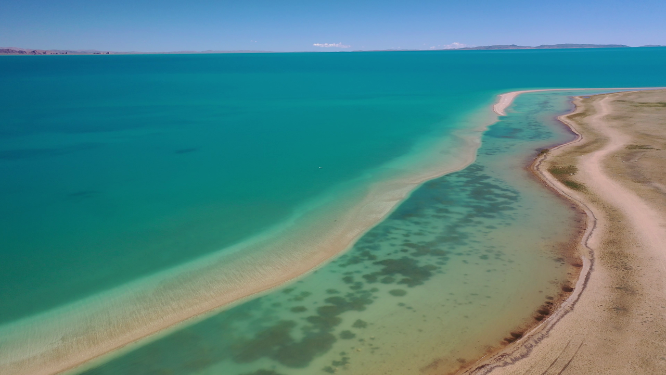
[467, 258]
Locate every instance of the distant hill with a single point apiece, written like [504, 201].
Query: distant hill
[24, 51]
[547, 46]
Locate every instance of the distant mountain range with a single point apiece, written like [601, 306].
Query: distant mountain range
[549, 46]
[25, 51]
[543, 46]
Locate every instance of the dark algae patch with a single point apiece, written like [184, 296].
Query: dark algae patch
[360, 324]
[387, 280]
[262, 372]
[277, 343]
[398, 292]
[300, 354]
[347, 335]
[567, 170]
[409, 268]
[265, 343]
[567, 289]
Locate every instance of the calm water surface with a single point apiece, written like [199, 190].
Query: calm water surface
[115, 168]
[464, 261]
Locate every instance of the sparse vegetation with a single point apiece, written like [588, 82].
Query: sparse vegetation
[397, 292]
[574, 185]
[360, 324]
[640, 147]
[654, 104]
[563, 172]
[568, 170]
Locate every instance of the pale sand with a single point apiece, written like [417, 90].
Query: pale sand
[107, 323]
[615, 321]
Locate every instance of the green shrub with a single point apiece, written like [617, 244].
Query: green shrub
[569, 169]
[574, 185]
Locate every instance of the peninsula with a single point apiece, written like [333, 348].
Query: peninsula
[614, 321]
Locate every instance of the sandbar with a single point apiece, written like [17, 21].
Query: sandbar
[505, 100]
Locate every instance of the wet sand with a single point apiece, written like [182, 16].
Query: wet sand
[615, 320]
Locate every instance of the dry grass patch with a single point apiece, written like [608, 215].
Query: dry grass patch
[640, 147]
[562, 173]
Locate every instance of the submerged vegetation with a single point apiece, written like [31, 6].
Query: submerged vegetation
[262, 372]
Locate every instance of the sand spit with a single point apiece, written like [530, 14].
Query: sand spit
[505, 100]
[615, 320]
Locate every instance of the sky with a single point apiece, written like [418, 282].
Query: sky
[342, 25]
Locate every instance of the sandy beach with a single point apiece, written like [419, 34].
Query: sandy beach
[614, 322]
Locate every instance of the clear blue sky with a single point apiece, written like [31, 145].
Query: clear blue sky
[294, 25]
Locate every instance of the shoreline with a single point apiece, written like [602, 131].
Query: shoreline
[537, 331]
[530, 352]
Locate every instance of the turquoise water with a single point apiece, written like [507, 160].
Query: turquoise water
[465, 260]
[116, 168]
